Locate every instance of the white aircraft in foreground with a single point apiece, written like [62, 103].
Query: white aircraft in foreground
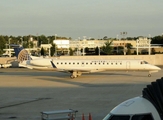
[149, 106]
[78, 66]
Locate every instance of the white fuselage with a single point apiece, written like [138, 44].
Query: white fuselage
[95, 65]
[137, 106]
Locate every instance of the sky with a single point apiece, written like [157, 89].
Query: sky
[78, 18]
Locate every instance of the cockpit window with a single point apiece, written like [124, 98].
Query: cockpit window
[143, 62]
[117, 117]
[120, 117]
[142, 117]
[129, 117]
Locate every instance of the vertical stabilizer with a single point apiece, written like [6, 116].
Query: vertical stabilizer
[21, 53]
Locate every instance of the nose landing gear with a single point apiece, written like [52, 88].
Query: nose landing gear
[149, 75]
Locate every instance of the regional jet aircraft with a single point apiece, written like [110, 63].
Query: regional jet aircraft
[77, 67]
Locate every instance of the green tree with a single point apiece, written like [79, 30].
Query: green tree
[42, 51]
[153, 51]
[135, 52]
[97, 51]
[107, 48]
[2, 44]
[52, 49]
[71, 51]
[157, 40]
[129, 45]
[86, 50]
[128, 51]
[30, 44]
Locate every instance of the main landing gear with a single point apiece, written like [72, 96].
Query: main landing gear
[149, 75]
[75, 75]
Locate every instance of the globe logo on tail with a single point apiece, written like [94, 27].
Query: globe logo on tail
[23, 55]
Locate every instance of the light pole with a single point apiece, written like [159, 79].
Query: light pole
[55, 45]
[137, 46]
[49, 47]
[99, 51]
[9, 42]
[9, 47]
[98, 47]
[55, 36]
[124, 34]
[149, 44]
[21, 41]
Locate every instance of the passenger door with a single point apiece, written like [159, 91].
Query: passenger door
[127, 65]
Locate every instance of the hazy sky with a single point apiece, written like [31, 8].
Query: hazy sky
[78, 18]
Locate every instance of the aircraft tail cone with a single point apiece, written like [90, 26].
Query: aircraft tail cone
[83, 118]
[90, 117]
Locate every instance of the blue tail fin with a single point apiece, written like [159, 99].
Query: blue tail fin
[17, 49]
[21, 53]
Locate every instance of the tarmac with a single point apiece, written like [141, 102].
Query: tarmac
[24, 93]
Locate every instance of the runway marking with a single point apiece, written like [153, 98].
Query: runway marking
[21, 103]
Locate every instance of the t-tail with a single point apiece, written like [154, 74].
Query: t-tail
[21, 53]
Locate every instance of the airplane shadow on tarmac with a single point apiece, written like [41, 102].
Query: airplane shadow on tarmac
[28, 72]
[83, 80]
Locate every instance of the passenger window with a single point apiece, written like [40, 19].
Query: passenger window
[73, 63]
[142, 117]
[65, 63]
[145, 62]
[69, 63]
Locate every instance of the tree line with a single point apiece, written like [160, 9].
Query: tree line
[26, 41]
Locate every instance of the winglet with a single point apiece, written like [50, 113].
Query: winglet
[53, 64]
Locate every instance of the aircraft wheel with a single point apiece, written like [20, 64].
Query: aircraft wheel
[149, 75]
[72, 77]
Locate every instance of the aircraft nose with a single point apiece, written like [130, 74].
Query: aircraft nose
[157, 68]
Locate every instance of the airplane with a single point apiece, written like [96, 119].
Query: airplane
[148, 106]
[76, 67]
